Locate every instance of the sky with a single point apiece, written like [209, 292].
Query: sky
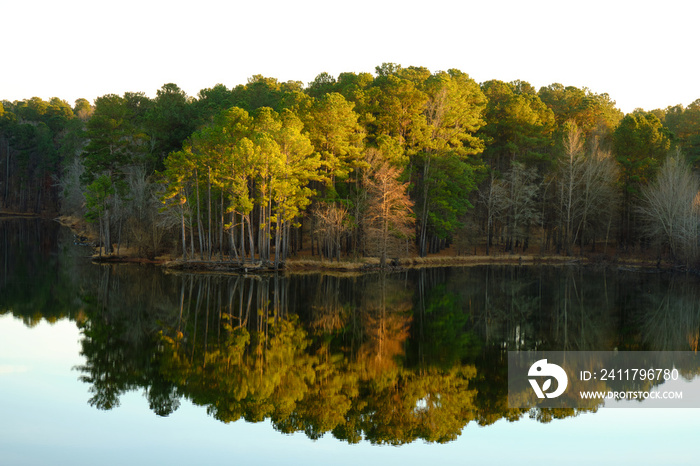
[642, 53]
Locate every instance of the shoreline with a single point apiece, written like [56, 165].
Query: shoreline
[312, 264]
[8, 215]
[371, 265]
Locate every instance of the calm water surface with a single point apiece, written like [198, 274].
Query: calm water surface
[125, 363]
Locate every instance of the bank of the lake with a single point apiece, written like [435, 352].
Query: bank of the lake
[306, 262]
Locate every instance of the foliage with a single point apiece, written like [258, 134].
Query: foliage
[518, 126]
[640, 144]
[245, 170]
[684, 123]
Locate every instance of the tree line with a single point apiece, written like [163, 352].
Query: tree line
[405, 161]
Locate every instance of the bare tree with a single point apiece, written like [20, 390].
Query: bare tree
[520, 211]
[587, 196]
[671, 209]
[146, 224]
[570, 174]
[72, 197]
[493, 197]
[390, 221]
[599, 197]
[330, 225]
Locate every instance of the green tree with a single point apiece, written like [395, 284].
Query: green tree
[296, 168]
[452, 116]
[434, 119]
[396, 103]
[82, 109]
[259, 92]
[322, 84]
[640, 144]
[169, 121]
[685, 125]
[336, 135]
[98, 198]
[57, 115]
[210, 102]
[595, 114]
[248, 165]
[116, 140]
[355, 88]
[518, 126]
[33, 109]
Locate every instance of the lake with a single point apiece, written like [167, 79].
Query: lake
[126, 363]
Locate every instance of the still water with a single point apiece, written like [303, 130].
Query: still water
[109, 364]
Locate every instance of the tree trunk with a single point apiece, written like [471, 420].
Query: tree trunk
[250, 239]
[242, 239]
[232, 237]
[199, 217]
[209, 246]
[192, 250]
[184, 238]
[99, 235]
[424, 216]
[7, 175]
[119, 238]
[221, 231]
[261, 215]
[108, 237]
[278, 243]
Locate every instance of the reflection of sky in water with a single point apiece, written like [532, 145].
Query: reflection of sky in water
[688, 388]
[45, 419]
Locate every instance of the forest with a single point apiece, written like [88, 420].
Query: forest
[402, 162]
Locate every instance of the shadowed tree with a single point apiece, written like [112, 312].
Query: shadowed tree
[117, 140]
[169, 121]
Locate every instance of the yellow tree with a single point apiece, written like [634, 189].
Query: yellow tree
[176, 177]
[297, 166]
[336, 135]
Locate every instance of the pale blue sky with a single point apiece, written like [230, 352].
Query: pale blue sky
[642, 53]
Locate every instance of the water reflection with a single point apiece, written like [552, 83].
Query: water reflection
[386, 358]
[389, 358]
[34, 274]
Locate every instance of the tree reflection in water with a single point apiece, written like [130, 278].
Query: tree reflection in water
[389, 358]
[386, 358]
